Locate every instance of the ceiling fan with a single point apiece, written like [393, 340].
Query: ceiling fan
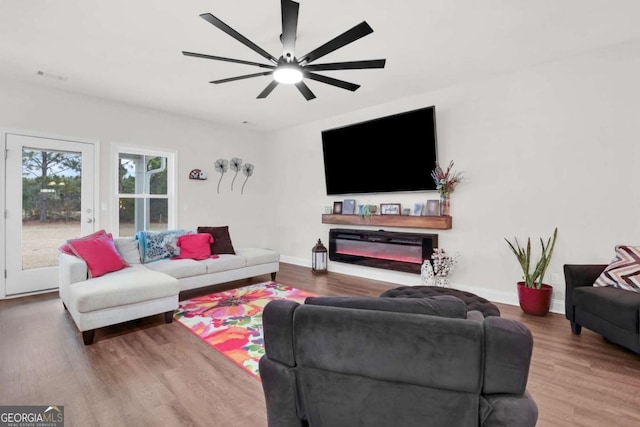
[289, 69]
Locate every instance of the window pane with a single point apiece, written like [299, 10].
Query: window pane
[139, 174]
[136, 214]
[126, 217]
[51, 185]
[157, 175]
[131, 173]
[158, 209]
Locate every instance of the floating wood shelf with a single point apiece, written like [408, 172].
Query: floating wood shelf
[432, 222]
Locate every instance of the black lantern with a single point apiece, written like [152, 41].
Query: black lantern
[319, 258]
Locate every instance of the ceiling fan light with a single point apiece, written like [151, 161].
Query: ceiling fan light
[287, 74]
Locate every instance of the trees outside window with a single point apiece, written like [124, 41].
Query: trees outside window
[145, 199]
[51, 185]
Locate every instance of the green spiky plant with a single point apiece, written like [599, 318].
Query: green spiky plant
[536, 278]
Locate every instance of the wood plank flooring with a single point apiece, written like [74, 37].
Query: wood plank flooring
[148, 373]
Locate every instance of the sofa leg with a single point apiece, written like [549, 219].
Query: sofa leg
[575, 328]
[87, 336]
[273, 276]
[168, 316]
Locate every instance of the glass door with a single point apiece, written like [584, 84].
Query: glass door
[49, 199]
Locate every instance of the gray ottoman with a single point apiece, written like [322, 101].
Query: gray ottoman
[473, 301]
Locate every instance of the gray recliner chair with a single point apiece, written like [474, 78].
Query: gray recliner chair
[362, 361]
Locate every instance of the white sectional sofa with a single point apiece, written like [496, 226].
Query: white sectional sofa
[142, 290]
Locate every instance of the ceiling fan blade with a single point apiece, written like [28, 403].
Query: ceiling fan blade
[349, 36]
[246, 76]
[331, 81]
[220, 58]
[305, 91]
[289, 27]
[236, 35]
[267, 90]
[351, 65]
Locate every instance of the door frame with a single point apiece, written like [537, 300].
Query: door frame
[3, 182]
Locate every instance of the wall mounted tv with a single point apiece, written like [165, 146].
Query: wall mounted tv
[389, 154]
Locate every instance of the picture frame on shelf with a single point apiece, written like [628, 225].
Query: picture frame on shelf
[406, 211]
[417, 209]
[432, 208]
[349, 207]
[389, 208]
[337, 208]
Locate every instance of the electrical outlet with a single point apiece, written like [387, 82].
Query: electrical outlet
[555, 279]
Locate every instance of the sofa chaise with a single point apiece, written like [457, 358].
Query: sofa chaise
[141, 290]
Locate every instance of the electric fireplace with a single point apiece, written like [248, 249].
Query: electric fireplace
[381, 249]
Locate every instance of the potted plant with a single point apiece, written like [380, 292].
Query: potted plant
[533, 294]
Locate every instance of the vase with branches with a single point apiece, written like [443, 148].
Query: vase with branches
[446, 181]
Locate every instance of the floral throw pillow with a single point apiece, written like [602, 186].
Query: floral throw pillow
[624, 271]
[157, 245]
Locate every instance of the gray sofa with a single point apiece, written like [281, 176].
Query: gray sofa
[142, 290]
[611, 312]
[393, 362]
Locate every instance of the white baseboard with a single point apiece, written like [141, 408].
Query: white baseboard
[409, 279]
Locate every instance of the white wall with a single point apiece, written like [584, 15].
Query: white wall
[198, 144]
[554, 145]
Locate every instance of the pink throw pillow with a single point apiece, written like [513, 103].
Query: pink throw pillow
[195, 246]
[99, 253]
[65, 249]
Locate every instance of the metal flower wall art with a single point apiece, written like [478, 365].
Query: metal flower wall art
[222, 165]
[236, 166]
[247, 170]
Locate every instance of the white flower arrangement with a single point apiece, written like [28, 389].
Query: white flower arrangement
[442, 262]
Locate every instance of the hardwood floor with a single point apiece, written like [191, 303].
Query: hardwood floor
[148, 373]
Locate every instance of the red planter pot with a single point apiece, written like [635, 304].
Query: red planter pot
[535, 301]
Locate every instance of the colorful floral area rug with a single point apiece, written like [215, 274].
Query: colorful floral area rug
[231, 321]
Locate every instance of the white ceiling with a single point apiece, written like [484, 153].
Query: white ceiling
[130, 50]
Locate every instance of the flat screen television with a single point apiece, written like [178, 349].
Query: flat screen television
[389, 154]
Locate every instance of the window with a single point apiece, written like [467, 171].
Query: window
[145, 191]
